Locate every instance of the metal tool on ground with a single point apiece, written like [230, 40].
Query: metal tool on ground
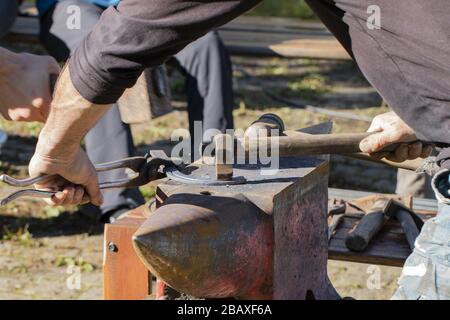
[370, 224]
[144, 170]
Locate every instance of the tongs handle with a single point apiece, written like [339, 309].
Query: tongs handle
[21, 182]
[133, 163]
[27, 193]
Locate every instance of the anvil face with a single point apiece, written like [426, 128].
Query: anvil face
[209, 246]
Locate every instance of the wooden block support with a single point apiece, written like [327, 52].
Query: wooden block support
[124, 275]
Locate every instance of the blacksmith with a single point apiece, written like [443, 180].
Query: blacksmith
[407, 60]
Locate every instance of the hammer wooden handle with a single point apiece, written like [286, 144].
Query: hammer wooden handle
[408, 225]
[359, 238]
[411, 165]
[303, 144]
[321, 144]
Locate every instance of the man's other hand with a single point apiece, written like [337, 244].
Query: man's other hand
[76, 180]
[25, 85]
[389, 129]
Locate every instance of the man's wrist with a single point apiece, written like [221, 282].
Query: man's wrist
[53, 146]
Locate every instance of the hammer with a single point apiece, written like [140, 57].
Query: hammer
[295, 144]
[359, 237]
[383, 209]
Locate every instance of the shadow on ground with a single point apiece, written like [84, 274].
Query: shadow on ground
[65, 224]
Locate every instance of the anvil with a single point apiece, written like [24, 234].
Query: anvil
[264, 239]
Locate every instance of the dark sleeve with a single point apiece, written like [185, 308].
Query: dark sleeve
[8, 14]
[140, 34]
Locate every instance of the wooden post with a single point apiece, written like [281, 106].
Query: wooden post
[124, 275]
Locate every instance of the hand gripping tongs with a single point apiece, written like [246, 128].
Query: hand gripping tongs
[144, 170]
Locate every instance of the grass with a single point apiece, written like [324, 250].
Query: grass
[148, 192]
[21, 128]
[312, 85]
[284, 8]
[65, 261]
[21, 236]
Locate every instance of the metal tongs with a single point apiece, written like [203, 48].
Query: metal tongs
[144, 170]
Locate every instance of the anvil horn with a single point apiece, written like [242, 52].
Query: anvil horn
[209, 246]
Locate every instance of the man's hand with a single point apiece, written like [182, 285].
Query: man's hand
[76, 178]
[391, 129]
[25, 85]
[58, 151]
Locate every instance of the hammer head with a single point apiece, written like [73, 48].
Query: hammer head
[209, 246]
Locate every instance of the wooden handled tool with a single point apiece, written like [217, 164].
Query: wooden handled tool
[406, 218]
[300, 144]
[297, 143]
[359, 238]
[305, 144]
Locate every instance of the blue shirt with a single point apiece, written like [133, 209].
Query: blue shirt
[44, 5]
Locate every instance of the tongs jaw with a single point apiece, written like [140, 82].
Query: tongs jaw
[144, 170]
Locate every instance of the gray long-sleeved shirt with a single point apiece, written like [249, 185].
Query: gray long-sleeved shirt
[140, 34]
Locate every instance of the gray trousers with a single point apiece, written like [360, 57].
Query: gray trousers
[426, 273]
[208, 72]
[413, 184]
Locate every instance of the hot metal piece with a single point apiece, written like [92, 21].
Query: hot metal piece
[178, 176]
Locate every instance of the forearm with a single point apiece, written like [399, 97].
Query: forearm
[139, 34]
[70, 118]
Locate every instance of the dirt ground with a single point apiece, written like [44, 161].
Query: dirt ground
[40, 246]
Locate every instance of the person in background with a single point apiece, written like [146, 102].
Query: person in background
[205, 64]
